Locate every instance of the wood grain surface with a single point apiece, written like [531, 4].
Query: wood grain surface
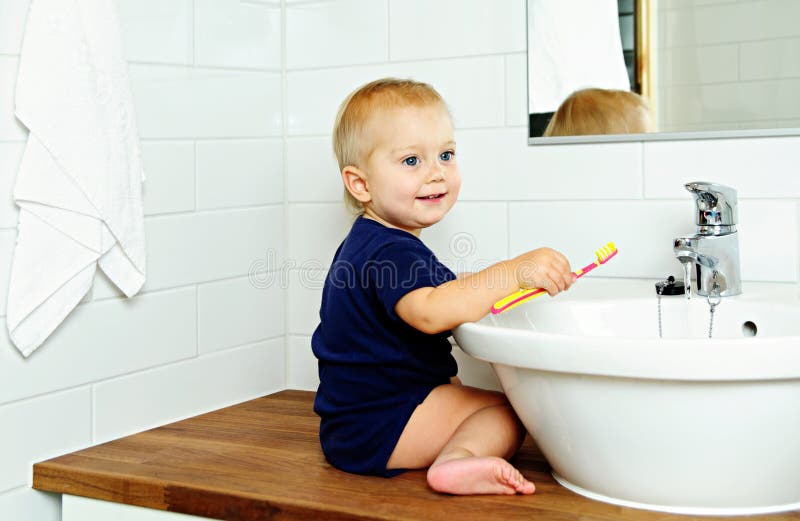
[261, 460]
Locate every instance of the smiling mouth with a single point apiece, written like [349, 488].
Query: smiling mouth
[432, 197]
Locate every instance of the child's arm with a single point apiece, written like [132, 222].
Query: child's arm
[466, 299]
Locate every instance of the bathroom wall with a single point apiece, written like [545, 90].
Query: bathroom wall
[728, 64]
[207, 81]
[514, 197]
[235, 102]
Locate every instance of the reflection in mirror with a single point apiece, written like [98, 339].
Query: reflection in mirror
[589, 112]
[727, 66]
[572, 44]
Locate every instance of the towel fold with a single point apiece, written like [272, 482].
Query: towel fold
[79, 184]
[573, 44]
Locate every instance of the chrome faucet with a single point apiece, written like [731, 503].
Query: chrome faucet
[712, 253]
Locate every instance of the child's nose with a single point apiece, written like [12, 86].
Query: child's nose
[436, 173]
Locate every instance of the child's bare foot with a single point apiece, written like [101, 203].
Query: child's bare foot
[474, 475]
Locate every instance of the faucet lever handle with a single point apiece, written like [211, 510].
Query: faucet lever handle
[716, 203]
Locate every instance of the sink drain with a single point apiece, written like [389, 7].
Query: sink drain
[749, 329]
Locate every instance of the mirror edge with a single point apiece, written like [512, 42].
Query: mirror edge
[644, 12]
[665, 136]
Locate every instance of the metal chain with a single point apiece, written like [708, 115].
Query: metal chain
[713, 298]
[659, 291]
[711, 319]
[660, 335]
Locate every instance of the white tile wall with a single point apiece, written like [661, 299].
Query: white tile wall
[345, 32]
[10, 128]
[314, 233]
[450, 28]
[737, 62]
[762, 256]
[772, 99]
[303, 300]
[181, 102]
[170, 170]
[702, 24]
[7, 240]
[498, 165]
[578, 228]
[12, 25]
[154, 31]
[10, 154]
[685, 108]
[243, 192]
[230, 33]
[239, 173]
[517, 90]
[313, 172]
[312, 110]
[762, 22]
[101, 340]
[24, 504]
[760, 167]
[207, 246]
[40, 428]
[693, 65]
[475, 372]
[206, 78]
[782, 59]
[177, 391]
[238, 311]
[472, 236]
[302, 364]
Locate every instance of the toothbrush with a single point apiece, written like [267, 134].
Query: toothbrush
[603, 255]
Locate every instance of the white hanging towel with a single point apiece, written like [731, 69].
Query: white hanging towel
[79, 184]
[573, 44]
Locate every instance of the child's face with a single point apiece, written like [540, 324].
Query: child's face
[412, 175]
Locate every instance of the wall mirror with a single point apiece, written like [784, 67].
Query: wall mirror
[706, 68]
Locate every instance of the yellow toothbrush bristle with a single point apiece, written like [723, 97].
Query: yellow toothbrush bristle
[606, 252]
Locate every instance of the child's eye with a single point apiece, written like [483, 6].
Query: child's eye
[411, 161]
[447, 156]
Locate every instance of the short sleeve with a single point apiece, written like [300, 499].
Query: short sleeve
[401, 267]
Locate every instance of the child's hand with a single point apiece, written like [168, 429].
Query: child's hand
[441, 308]
[543, 268]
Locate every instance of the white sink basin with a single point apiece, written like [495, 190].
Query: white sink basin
[683, 423]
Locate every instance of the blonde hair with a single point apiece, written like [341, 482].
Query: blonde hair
[600, 111]
[350, 144]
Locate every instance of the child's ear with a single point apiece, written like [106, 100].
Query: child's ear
[356, 183]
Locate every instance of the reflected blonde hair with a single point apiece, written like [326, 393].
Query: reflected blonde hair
[600, 111]
[351, 145]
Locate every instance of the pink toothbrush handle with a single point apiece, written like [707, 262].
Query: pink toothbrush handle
[538, 291]
[603, 255]
[586, 269]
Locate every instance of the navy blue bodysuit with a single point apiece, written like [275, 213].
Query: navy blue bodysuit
[374, 369]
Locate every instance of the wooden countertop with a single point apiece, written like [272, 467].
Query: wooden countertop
[261, 460]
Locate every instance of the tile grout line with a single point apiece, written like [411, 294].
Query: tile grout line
[285, 172]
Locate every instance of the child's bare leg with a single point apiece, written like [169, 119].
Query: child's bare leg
[463, 434]
[473, 463]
